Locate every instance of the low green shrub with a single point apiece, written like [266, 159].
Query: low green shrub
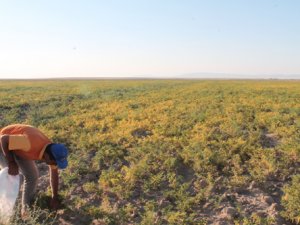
[291, 200]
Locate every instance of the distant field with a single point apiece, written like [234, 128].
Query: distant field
[168, 151]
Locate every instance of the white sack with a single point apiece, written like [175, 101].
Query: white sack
[9, 190]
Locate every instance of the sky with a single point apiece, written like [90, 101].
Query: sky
[150, 38]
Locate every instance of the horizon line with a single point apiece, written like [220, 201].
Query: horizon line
[192, 75]
[145, 78]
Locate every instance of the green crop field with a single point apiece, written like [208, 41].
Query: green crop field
[166, 151]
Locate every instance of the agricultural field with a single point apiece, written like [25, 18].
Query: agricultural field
[166, 151]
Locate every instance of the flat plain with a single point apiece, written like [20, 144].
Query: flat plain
[166, 151]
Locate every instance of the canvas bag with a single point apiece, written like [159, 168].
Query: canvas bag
[9, 190]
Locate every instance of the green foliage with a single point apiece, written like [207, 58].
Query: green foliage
[37, 214]
[291, 200]
[255, 219]
[169, 141]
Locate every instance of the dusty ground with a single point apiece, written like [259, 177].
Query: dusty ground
[262, 200]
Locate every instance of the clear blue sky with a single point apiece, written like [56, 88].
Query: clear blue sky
[149, 38]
